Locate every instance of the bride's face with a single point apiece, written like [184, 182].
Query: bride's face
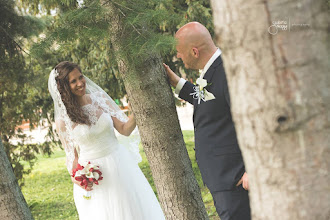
[77, 83]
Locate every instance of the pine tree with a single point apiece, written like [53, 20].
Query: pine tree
[153, 104]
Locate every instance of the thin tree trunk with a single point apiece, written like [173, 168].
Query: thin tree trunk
[153, 105]
[12, 203]
[279, 86]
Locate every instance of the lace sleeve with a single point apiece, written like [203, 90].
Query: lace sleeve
[109, 106]
[69, 147]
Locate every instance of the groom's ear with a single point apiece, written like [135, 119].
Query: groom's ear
[195, 52]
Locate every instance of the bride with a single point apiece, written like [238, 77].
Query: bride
[85, 118]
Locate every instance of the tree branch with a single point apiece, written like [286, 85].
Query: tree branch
[4, 30]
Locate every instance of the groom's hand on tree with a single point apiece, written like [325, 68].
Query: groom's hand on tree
[174, 79]
[244, 181]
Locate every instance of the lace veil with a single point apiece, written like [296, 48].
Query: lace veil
[64, 126]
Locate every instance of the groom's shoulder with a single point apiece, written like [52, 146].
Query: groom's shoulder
[216, 66]
[218, 62]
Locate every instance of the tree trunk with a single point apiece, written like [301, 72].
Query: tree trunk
[279, 86]
[12, 203]
[152, 102]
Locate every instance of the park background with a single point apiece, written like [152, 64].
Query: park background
[39, 34]
[276, 58]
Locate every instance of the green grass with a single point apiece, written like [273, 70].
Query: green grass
[48, 188]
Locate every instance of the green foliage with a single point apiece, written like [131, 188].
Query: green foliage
[145, 18]
[48, 189]
[35, 7]
[17, 93]
[79, 33]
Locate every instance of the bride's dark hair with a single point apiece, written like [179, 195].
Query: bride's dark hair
[72, 106]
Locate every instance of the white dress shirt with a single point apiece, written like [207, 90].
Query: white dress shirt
[202, 72]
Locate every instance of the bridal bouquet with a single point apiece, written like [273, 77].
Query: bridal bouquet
[88, 173]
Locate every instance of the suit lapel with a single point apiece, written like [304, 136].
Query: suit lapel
[208, 76]
[209, 73]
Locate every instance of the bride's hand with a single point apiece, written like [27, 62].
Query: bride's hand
[89, 186]
[130, 112]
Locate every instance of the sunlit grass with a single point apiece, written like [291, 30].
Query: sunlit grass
[48, 188]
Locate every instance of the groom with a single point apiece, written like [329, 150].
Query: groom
[217, 152]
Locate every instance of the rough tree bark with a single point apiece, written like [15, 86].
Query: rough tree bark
[153, 105]
[279, 87]
[12, 203]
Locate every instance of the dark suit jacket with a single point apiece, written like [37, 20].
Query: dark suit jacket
[217, 152]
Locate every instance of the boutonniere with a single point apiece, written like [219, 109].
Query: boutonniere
[200, 93]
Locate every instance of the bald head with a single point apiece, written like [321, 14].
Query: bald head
[196, 35]
[194, 38]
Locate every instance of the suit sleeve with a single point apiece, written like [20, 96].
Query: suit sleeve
[185, 92]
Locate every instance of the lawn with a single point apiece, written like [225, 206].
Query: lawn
[48, 188]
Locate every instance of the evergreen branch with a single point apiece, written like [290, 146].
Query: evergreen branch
[116, 3]
[14, 40]
[131, 23]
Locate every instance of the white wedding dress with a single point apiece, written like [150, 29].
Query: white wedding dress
[124, 193]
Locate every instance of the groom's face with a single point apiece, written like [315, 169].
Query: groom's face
[184, 53]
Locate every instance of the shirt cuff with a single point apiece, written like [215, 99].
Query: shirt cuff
[180, 85]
